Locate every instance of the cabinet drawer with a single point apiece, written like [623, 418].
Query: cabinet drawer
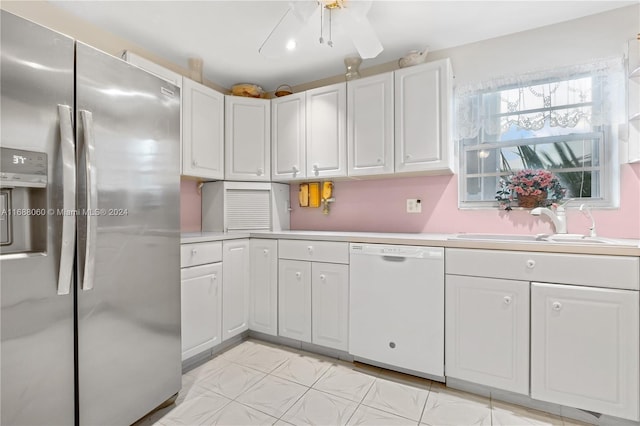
[587, 270]
[317, 251]
[200, 253]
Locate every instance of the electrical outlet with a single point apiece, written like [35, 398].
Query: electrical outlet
[414, 205]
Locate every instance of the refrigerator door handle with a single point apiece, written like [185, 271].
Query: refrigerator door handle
[92, 200]
[67, 245]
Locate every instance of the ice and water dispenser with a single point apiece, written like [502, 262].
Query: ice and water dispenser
[23, 201]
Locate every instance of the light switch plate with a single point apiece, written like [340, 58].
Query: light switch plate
[414, 205]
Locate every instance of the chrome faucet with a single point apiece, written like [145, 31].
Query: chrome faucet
[558, 217]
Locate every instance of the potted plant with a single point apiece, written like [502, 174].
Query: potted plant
[530, 188]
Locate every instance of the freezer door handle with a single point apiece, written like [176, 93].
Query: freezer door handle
[92, 200]
[67, 243]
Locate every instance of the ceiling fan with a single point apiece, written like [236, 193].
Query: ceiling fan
[349, 15]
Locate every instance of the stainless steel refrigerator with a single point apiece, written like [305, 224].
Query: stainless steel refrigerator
[89, 250]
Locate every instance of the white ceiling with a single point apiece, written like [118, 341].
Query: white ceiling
[226, 35]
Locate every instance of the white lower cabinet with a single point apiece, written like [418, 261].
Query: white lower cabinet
[263, 288]
[294, 299]
[235, 288]
[487, 331]
[201, 308]
[313, 297]
[584, 348]
[314, 302]
[330, 305]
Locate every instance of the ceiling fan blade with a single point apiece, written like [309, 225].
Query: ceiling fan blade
[288, 28]
[362, 34]
[303, 9]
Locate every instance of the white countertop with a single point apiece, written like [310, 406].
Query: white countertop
[630, 247]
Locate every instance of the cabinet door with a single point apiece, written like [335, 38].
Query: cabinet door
[235, 289]
[584, 348]
[202, 131]
[294, 299]
[201, 309]
[263, 293]
[422, 97]
[247, 139]
[370, 125]
[487, 332]
[326, 131]
[288, 137]
[330, 305]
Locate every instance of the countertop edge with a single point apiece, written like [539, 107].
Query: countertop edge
[434, 240]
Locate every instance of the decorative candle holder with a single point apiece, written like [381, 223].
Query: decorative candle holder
[353, 67]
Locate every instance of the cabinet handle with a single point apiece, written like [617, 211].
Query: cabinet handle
[295, 170]
[298, 275]
[315, 169]
[260, 172]
[556, 306]
[322, 277]
[195, 163]
[531, 263]
[507, 300]
[194, 252]
[310, 249]
[265, 252]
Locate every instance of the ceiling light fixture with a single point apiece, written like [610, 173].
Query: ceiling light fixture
[352, 17]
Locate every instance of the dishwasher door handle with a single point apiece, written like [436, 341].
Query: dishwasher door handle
[394, 258]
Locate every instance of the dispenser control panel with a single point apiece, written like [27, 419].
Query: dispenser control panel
[19, 168]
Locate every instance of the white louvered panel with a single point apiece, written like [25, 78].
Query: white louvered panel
[248, 209]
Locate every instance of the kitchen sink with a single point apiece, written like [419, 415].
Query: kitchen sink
[498, 237]
[545, 238]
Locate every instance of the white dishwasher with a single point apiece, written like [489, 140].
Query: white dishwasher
[396, 307]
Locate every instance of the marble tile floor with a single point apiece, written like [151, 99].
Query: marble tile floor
[257, 383]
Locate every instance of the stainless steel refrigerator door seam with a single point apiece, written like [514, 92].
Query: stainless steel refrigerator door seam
[92, 200]
[67, 243]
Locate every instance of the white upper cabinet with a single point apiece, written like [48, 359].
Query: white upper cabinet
[288, 133]
[370, 125]
[326, 131]
[422, 118]
[202, 131]
[247, 139]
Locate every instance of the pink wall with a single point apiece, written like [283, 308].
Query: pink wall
[379, 206]
[190, 206]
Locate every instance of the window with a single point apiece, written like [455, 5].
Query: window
[564, 121]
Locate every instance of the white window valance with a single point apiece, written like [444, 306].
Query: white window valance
[572, 97]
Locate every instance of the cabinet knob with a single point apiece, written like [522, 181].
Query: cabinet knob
[295, 170]
[194, 252]
[531, 263]
[407, 157]
[310, 249]
[322, 277]
[507, 300]
[298, 274]
[392, 345]
[315, 169]
[556, 306]
[260, 172]
[379, 160]
[195, 163]
[265, 252]
[214, 278]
